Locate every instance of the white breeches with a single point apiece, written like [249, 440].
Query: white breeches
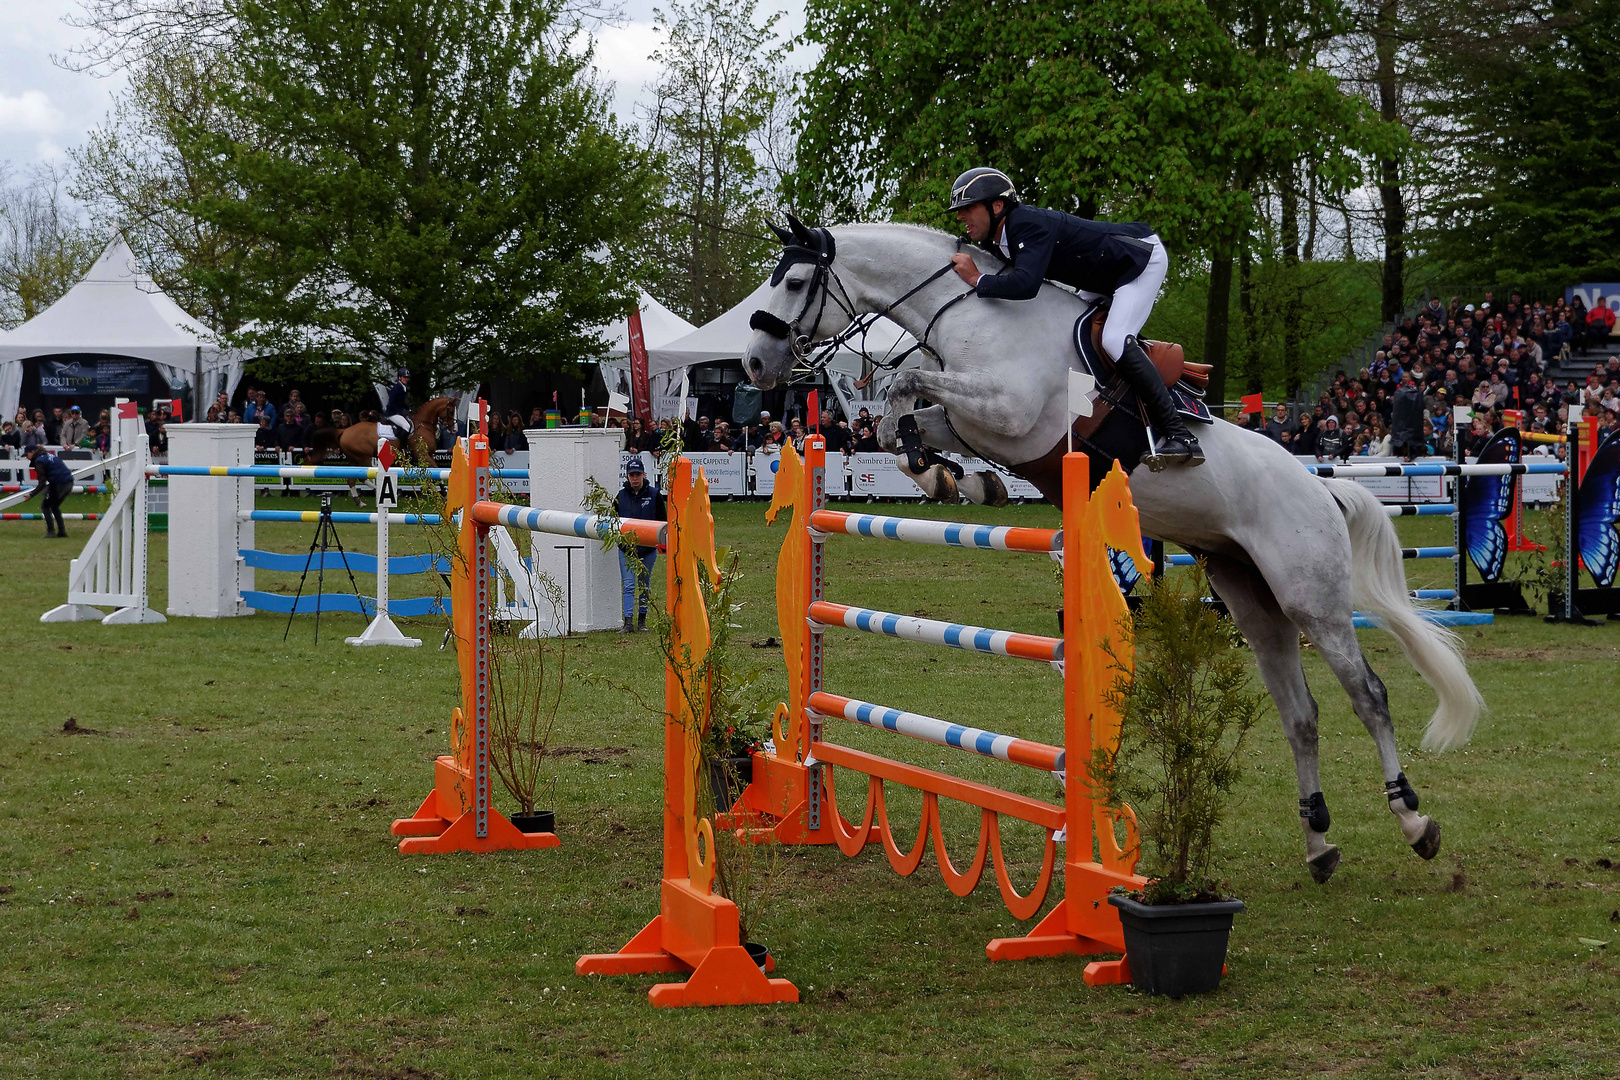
[1133, 302]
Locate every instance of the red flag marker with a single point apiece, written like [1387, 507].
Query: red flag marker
[126, 410]
[815, 411]
[386, 455]
[1253, 404]
[174, 412]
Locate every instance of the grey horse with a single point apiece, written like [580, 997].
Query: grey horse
[1289, 553]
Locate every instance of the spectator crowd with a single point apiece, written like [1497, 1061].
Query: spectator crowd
[762, 433]
[1487, 358]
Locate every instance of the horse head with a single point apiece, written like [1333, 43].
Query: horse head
[801, 307]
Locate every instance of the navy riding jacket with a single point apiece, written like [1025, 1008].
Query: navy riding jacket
[1096, 256]
[51, 469]
[397, 403]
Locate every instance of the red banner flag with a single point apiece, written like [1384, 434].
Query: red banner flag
[126, 410]
[174, 411]
[1253, 404]
[815, 411]
[640, 381]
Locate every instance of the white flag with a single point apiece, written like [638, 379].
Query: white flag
[618, 402]
[1574, 417]
[1080, 388]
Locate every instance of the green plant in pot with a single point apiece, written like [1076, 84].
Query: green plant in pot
[527, 661]
[527, 670]
[1184, 717]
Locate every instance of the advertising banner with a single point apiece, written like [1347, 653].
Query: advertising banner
[82, 378]
[724, 471]
[640, 388]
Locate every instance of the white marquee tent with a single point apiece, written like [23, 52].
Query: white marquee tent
[658, 326]
[116, 310]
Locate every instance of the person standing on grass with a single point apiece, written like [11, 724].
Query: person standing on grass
[56, 481]
[637, 499]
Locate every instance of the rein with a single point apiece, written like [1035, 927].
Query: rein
[815, 356]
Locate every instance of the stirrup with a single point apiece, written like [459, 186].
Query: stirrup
[1174, 450]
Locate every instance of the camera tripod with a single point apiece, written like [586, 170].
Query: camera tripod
[326, 537]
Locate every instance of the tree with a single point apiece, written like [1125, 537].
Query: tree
[712, 109]
[1535, 116]
[426, 183]
[137, 173]
[45, 246]
[1170, 113]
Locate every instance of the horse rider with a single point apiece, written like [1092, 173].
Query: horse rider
[397, 413]
[1125, 262]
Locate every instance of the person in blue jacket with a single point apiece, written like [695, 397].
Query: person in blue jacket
[637, 499]
[1123, 261]
[56, 481]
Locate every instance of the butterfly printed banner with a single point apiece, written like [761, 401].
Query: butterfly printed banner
[1486, 501]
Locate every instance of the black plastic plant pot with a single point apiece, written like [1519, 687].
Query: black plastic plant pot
[541, 821]
[1176, 949]
[759, 954]
[727, 778]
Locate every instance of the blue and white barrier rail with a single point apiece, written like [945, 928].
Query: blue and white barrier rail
[566, 523]
[957, 635]
[942, 533]
[941, 732]
[1420, 509]
[315, 472]
[1438, 469]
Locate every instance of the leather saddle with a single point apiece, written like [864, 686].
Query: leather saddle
[1186, 380]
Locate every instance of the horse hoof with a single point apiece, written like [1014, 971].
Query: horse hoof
[995, 492]
[1323, 865]
[1428, 845]
[941, 484]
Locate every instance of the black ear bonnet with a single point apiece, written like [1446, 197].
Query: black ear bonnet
[799, 245]
[802, 245]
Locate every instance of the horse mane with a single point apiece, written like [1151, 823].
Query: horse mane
[926, 232]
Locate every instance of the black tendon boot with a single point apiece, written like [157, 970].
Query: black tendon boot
[1176, 445]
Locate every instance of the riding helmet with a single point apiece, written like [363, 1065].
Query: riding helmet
[982, 185]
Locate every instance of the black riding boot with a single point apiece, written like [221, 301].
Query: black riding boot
[1176, 445]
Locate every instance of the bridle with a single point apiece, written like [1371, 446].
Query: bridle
[817, 247]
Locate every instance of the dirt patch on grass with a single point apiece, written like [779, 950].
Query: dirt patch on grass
[1560, 654]
[589, 752]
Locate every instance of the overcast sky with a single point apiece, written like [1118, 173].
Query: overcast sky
[45, 110]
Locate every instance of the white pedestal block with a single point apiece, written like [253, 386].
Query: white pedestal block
[561, 461]
[206, 532]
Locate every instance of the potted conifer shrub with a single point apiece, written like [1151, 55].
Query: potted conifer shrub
[1184, 717]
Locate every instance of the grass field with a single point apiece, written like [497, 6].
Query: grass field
[202, 883]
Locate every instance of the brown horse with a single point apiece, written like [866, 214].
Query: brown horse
[357, 443]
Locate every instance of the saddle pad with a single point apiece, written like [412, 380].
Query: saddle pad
[1187, 396]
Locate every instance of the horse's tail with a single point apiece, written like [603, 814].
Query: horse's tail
[1378, 579]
